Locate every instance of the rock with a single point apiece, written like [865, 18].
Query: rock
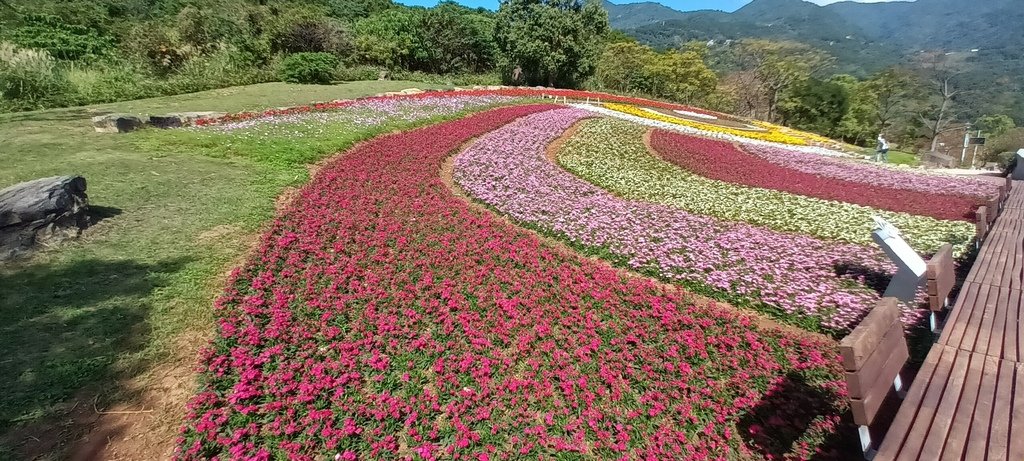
[166, 121]
[40, 212]
[117, 123]
[383, 75]
[412, 91]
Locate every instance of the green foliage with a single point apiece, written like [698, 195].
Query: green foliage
[390, 38]
[60, 39]
[309, 68]
[1009, 141]
[453, 38]
[352, 10]
[629, 67]
[995, 125]
[815, 105]
[314, 36]
[29, 79]
[553, 43]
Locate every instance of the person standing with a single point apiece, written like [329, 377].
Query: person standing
[882, 151]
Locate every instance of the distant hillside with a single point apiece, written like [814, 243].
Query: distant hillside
[864, 37]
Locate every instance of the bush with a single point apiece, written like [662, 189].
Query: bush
[59, 39]
[309, 68]
[314, 36]
[30, 79]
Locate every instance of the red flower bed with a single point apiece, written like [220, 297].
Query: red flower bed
[384, 317]
[725, 162]
[513, 92]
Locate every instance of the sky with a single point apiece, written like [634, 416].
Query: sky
[681, 5]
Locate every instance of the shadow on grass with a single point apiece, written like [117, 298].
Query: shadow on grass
[100, 213]
[785, 415]
[64, 329]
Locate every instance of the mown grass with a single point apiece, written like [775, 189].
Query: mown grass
[173, 215]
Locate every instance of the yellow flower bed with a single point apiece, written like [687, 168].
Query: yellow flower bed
[803, 134]
[774, 134]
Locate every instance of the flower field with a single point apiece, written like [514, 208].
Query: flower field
[771, 133]
[384, 317]
[611, 153]
[875, 175]
[454, 291]
[725, 162]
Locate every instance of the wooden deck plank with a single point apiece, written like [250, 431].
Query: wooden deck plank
[936, 386]
[988, 316]
[977, 441]
[974, 322]
[1012, 329]
[936, 437]
[1017, 415]
[907, 414]
[956, 324]
[998, 440]
[997, 334]
[957, 440]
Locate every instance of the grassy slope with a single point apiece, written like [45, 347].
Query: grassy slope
[77, 322]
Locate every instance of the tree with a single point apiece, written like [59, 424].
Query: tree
[995, 125]
[621, 67]
[858, 124]
[815, 105]
[681, 76]
[456, 39]
[940, 113]
[774, 67]
[893, 92]
[390, 38]
[549, 42]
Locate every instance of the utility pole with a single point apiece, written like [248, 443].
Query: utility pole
[967, 139]
[974, 157]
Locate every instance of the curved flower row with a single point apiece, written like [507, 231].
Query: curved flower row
[850, 170]
[507, 92]
[370, 111]
[723, 161]
[771, 135]
[383, 317]
[611, 154]
[792, 273]
[599, 109]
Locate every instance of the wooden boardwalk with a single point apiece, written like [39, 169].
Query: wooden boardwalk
[967, 402]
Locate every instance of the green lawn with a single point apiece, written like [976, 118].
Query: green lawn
[78, 321]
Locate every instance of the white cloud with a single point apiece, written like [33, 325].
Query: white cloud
[826, 2]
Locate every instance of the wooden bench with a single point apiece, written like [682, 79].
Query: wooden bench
[873, 356]
[940, 276]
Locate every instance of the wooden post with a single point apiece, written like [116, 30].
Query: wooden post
[981, 226]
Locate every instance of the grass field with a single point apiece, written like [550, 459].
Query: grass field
[86, 325]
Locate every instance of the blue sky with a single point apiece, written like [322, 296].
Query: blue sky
[682, 5]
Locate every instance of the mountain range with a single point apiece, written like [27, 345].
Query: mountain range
[986, 35]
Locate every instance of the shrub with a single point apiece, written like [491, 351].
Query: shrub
[309, 68]
[314, 36]
[59, 39]
[30, 79]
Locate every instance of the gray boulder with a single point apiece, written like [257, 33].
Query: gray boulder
[178, 120]
[117, 123]
[40, 212]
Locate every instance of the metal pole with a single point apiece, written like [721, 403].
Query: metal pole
[967, 138]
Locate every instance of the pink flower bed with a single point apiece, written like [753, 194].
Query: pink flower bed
[877, 176]
[743, 264]
[383, 317]
[505, 92]
[723, 161]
